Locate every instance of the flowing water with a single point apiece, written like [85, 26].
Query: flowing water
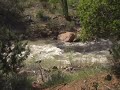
[65, 53]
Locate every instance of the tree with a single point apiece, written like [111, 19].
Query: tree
[65, 9]
[99, 19]
[12, 52]
[11, 48]
[11, 14]
[114, 59]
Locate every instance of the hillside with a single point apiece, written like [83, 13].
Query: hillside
[59, 45]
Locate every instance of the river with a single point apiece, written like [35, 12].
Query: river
[52, 52]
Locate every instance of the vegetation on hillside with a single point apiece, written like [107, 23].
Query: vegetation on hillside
[99, 19]
[34, 19]
[12, 50]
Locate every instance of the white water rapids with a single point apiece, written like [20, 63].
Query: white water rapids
[64, 52]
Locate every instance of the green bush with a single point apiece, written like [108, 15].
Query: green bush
[115, 59]
[16, 82]
[11, 14]
[56, 78]
[54, 6]
[73, 3]
[40, 14]
[12, 52]
[54, 1]
[99, 18]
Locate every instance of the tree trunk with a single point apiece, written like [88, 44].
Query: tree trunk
[65, 9]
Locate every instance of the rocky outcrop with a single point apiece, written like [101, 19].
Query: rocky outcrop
[67, 37]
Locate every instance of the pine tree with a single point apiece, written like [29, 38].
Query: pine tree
[12, 52]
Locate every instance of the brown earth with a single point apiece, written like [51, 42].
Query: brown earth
[97, 82]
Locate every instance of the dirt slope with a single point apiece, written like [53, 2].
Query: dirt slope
[98, 82]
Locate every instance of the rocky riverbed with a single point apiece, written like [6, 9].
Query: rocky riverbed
[65, 53]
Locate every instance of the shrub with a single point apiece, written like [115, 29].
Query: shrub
[73, 3]
[56, 78]
[11, 14]
[40, 14]
[16, 82]
[43, 0]
[54, 6]
[12, 52]
[54, 1]
[115, 59]
[99, 18]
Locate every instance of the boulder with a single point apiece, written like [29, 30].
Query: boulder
[67, 37]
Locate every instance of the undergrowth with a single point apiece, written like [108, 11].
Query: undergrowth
[59, 77]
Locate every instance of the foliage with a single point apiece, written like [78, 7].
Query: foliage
[40, 14]
[11, 15]
[43, 0]
[56, 78]
[54, 1]
[73, 3]
[99, 18]
[16, 82]
[12, 51]
[115, 60]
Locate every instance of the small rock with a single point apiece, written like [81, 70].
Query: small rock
[36, 86]
[55, 68]
[108, 77]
